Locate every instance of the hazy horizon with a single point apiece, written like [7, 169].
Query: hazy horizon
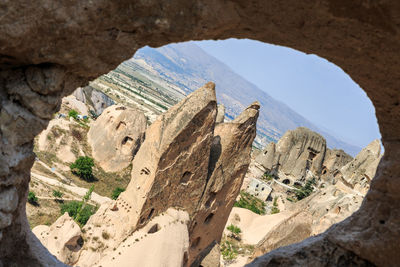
[312, 86]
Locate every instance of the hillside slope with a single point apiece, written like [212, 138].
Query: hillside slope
[189, 67]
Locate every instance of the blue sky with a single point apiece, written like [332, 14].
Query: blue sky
[312, 86]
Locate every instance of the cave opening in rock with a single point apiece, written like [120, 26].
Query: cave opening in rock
[53, 68]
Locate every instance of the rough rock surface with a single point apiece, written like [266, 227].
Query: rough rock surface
[335, 159]
[229, 161]
[63, 238]
[312, 216]
[296, 153]
[81, 40]
[116, 136]
[97, 100]
[220, 114]
[162, 242]
[213, 257]
[169, 170]
[359, 172]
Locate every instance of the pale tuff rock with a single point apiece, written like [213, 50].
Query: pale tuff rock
[183, 163]
[169, 170]
[63, 238]
[229, 161]
[359, 172]
[340, 195]
[335, 159]
[97, 100]
[116, 136]
[296, 153]
[220, 114]
[162, 242]
[311, 216]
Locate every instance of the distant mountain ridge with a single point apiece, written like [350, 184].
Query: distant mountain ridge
[189, 67]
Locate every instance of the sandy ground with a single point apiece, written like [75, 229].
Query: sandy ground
[62, 177]
[254, 227]
[42, 141]
[165, 247]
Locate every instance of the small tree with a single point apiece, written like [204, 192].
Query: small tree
[82, 167]
[80, 211]
[117, 191]
[73, 113]
[32, 199]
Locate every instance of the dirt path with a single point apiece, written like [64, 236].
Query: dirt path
[62, 177]
[72, 188]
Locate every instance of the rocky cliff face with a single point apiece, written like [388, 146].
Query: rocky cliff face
[116, 136]
[298, 152]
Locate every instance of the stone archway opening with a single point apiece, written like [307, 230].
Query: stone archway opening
[360, 38]
[311, 153]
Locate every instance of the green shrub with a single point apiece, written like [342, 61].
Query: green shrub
[250, 202]
[234, 229]
[82, 167]
[306, 190]
[75, 211]
[228, 251]
[32, 199]
[73, 113]
[275, 208]
[116, 192]
[57, 194]
[80, 211]
[267, 177]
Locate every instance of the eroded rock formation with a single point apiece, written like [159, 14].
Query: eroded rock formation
[220, 114]
[298, 152]
[184, 163]
[335, 159]
[229, 161]
[359, 172]
[97, 100]
[63, 238]
[116, 136]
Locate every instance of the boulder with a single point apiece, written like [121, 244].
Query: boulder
[63, 238]
[116, 136]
